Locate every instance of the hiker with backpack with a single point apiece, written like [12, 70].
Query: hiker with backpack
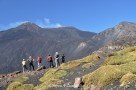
[39, 60]
[57, 63]
[24, 65]
[31, 60]
[62, 58]
[50, 61]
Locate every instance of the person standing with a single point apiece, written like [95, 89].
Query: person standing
[62, 58]
[57, 63]
[50, 61]
[31, 60]
[39, 60]
[24, 65]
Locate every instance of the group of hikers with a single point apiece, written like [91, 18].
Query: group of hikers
[51, 60]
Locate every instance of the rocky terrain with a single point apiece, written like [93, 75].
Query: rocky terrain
[110, 65]
[114, 71]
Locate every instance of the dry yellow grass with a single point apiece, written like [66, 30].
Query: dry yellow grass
[51, 78]
[89, 60]
[70, 64]
[115, 67]
[20, 86]
[128, 78]
[121, 57]
[17, 84]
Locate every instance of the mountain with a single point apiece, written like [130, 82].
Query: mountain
[123, 34]
[30, 39]
[103, 69]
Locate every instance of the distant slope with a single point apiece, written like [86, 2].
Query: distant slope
[123, 34]
[30, 39]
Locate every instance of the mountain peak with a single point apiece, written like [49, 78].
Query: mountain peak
[28, 26]
[28, 23]
[125, 25]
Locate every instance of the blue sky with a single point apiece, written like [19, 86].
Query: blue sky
[88, 15]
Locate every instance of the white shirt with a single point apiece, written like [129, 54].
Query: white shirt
[23, 63]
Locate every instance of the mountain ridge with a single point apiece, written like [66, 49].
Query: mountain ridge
[16, 43]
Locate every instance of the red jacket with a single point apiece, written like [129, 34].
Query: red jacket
[39, 59]
[49, 58]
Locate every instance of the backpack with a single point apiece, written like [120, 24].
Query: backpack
[49, 58]
[39, 59]
[57, 56]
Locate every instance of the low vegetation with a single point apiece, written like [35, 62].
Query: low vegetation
[106, 75]
[21, 79]
[88, 65]
[20, 86]
[17, 84]
[121, 57]
[70, 64]
[127, 79]
[51, 78]
[86, 62]
[119, 66]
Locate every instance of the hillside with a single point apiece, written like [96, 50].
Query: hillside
[120, 36]
[30, 39]
[111, 71]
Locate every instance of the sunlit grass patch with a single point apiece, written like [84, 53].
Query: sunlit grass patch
[106, 75]
[70, 64]
[91, 58]
[21, 79]
[88, 65]
[126, 50]
[101, 77]
[14, 85]
[51, 78]
[87, 61]
[17, 84]
[20, 86]
[53, 74]
[121, 57]
[128, 78]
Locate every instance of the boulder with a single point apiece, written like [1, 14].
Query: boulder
[77, 83]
